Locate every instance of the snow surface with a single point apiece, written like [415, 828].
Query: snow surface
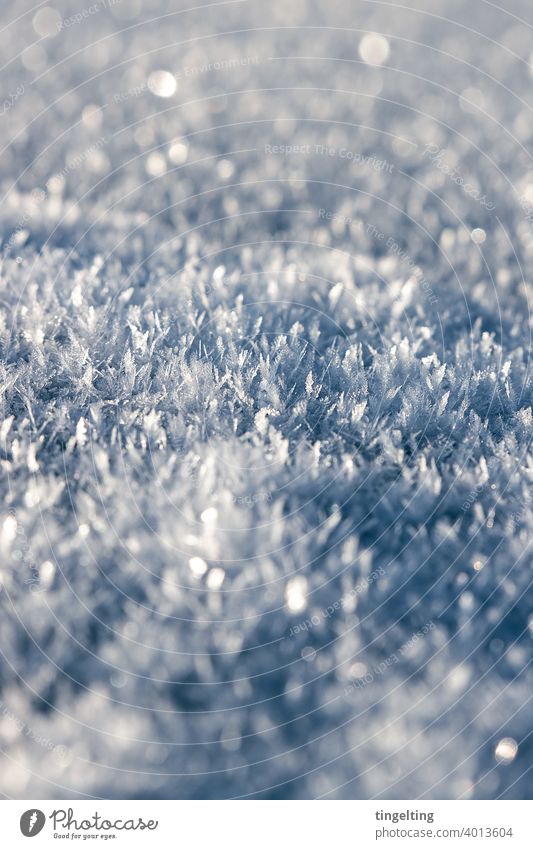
[265, 450]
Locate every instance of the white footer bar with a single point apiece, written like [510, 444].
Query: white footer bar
[267, 825]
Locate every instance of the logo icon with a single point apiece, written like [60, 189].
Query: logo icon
[32, 822]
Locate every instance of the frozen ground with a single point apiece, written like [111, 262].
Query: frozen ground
[265, 449]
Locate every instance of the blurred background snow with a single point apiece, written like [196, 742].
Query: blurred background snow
[265, 421]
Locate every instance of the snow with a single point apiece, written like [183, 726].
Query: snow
[265, 424]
